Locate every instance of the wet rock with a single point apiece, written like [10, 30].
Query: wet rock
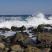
[39, 28]
[4, 29]
[13, 28]
[30, 28]
[44, 27]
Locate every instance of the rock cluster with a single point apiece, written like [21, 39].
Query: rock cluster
[20, 41]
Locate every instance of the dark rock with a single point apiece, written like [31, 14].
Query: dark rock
[34, 31]
[21, 44]
[39, 28]
[44, 28]
[30, 28]
[37, 41]
[13, 28]
[4, 29]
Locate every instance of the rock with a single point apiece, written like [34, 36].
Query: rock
[22, 44]
[30, 28]
[8, 40]
[32, 49]
[2, 38]
[13, 28]
[44, 28]
[2, 46]
[16, 48]
[21, 36]
[34, 31]
[39, 28]
[4, 29]
[12, 51]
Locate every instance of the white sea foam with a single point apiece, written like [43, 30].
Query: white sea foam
[30, 21]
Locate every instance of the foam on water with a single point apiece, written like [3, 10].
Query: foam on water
[29, 21]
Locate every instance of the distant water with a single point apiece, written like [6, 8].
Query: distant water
[13, 17]
[26, 20]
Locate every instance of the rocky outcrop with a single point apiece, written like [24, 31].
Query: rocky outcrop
[13, 28]
[44, 28]
[21, 40]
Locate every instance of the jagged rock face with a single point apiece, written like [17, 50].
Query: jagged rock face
[13, 28]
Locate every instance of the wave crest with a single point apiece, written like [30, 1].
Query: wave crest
[29, 21]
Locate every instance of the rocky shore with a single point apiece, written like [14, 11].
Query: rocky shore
[22, 39]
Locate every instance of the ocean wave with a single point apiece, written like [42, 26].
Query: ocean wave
[29, 21]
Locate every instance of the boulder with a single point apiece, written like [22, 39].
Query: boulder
[44, 28]
[13, 28]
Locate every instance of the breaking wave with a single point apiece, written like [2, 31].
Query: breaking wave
[28, 22]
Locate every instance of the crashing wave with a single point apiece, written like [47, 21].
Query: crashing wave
[29, 21]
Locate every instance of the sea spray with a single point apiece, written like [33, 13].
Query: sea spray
[28, 22]
[31, 21]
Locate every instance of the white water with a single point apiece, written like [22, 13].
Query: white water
[30, 21]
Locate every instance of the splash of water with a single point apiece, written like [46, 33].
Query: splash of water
[30, 21]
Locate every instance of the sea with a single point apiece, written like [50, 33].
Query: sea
[7, 21]
[26, 20]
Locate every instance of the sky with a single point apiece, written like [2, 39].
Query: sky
[25, 6]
